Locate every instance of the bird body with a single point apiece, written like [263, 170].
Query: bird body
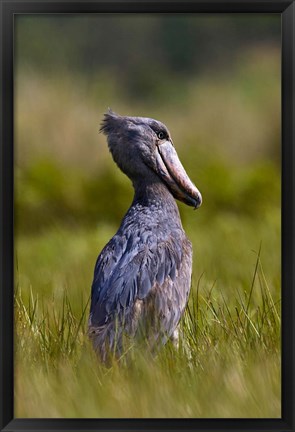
[142, 276]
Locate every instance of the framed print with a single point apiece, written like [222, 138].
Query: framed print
[147, 207]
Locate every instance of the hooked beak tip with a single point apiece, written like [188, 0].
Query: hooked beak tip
[198, 201]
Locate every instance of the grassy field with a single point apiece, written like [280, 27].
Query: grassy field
[228, 361]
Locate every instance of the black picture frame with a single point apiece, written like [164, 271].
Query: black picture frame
[8, 9]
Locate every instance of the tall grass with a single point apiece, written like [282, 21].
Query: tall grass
[226, 131]
[227, 363]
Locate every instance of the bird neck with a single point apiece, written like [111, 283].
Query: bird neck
[155, 195]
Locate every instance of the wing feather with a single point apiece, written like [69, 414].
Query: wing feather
[127, 269]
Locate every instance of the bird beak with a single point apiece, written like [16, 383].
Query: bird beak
[172, 172]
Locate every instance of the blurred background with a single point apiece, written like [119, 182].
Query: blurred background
[214, 80]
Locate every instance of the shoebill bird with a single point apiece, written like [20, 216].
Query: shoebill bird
[142, 276]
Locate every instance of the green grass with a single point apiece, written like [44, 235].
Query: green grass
[226, 129]
[228, 360]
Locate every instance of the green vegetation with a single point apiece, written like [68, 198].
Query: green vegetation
[228, 362]
[70, 197]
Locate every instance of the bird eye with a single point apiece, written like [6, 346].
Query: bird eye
[161, 135]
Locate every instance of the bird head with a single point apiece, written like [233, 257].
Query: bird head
[142, 148]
